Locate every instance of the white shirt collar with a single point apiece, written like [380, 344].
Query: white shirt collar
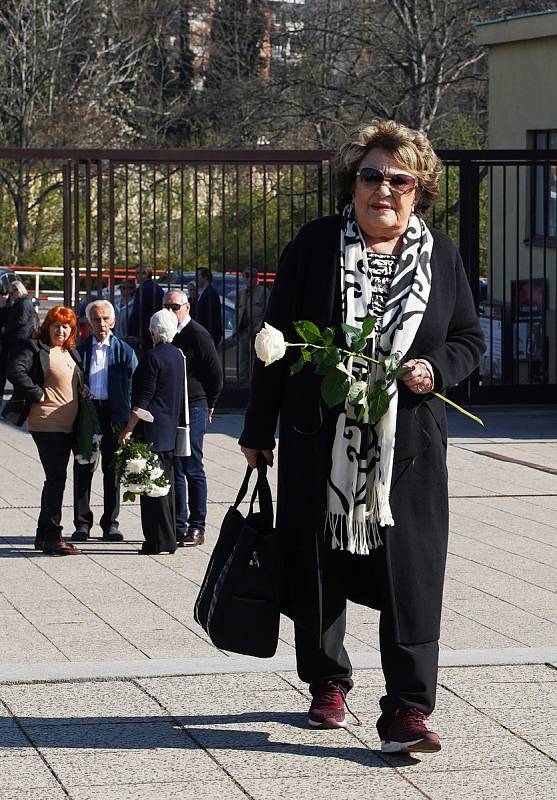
[106, 342]
[183, 324]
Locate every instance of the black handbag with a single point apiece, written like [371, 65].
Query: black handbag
[239, 601]
[16, 411]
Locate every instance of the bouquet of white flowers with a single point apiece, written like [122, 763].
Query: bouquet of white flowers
[139, 471]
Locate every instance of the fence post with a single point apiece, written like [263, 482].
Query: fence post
[469, 246]
[67, 231]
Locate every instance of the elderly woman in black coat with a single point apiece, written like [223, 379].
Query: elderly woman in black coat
[363, 508]
[157, 406]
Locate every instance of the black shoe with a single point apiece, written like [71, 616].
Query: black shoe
[193, 538]
[113, 535]
[80, 536]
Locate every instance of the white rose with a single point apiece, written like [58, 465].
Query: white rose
[269, 344]
[158, 491]
[136, 465]
[155, 473]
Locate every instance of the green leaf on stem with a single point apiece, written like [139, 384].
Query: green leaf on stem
[297, 365]
[361, 413]
[378, 401]
[326, 359]
[308, 331]
[357, 392]
[390, 364]
[306, 355]
[359, 344]
[334, 387]
[129, 497]
[399, 372]
[351, 331]
[368, 326]
[328, 336]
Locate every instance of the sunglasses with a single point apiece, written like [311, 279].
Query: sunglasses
[174, 306]
[399, 182]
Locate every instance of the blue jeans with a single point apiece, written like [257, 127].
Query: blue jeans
[189, 477]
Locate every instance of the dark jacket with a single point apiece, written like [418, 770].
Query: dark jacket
[29, 369]
[158, 387]
[122, 362]
[307, 286]
[208, 312]
[21, 322]
[147, 300]
[202, 364]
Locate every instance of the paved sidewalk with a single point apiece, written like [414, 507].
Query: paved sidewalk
[109, 689]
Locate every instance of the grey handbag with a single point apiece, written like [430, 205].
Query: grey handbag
[182, 445]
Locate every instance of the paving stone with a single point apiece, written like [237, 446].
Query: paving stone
[33, 794]
[113, 767]
[25, 772]
[297, 760]
[192, 790]
[510, 695]
[495, 784]
[517, 673]
[86, 702]
[378, 784]
[527, 722]
[223, 685]
[478, 753]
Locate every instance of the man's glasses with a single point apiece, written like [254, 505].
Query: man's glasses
[399, 181]
[174, 306]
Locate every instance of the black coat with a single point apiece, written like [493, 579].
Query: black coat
[158, 387]
[29, 369]
[209, 314]
[147, 301]
[21, 322]
[307, 286]
[203, 364]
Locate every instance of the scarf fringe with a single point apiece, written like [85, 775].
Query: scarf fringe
[359, 538]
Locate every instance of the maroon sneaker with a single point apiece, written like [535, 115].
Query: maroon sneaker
[327, 706]
[408, 733]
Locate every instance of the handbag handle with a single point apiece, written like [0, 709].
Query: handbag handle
[261, 491]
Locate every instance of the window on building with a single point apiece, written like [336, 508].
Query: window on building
[544, 196]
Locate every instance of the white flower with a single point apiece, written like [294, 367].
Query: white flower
[155, 473]
[158, 491]
[269, 344]
[136, 465]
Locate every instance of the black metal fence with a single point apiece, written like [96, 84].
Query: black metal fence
[103, 214]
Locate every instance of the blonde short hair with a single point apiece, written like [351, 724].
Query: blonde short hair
[410, 148]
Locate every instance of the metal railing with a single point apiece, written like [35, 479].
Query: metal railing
[111, 211]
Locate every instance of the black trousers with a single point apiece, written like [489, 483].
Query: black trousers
[54, 453]
[83, 475]
[410, 670]
[158, 514]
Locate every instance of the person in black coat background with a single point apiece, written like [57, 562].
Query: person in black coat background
[208, 310]
[158, 405]
[21, 320]
[147, 300]
[378, 257]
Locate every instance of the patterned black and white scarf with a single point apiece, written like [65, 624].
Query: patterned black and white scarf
[360, 480]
